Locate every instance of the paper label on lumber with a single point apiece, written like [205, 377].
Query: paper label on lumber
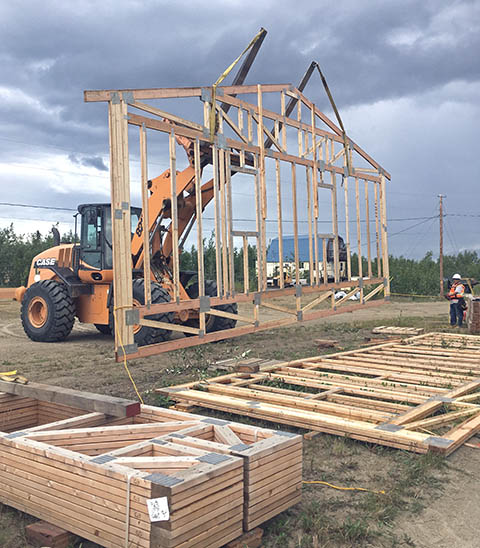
[158, 509]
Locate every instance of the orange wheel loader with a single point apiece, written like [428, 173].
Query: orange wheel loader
[71, 281]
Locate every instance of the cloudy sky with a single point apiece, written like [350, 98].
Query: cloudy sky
[404, 73]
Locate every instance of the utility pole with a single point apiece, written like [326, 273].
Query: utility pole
[440, 259]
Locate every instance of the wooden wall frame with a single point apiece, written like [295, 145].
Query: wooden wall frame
[249, 139]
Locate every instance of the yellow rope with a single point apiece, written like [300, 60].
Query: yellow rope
[225, 73]
[345, 488]
[124, 353]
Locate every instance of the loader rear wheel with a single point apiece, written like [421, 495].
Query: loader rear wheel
[212, 323]
[104, 329]
[48, 312]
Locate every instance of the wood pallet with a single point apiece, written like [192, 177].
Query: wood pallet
[93, 473]
[392, 330]
[419, 395]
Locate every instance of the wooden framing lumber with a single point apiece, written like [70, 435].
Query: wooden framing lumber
[381, 394]
[229, 145]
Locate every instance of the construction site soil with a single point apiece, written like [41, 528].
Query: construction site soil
[427, 501]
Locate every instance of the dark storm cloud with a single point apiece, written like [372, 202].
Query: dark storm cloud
[421, 53]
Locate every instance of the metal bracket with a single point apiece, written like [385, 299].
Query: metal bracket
[204, 304]
[388, 427]
[385, 282]
[216, 422]
[159, 442]
[299, 316]
[128, 348]
[321, 165]
[206, 95]
[443, 399]
[163, 480]
[298, 290]
[102, 459]
[345, 171]
[213, 458]
[440, 443]
[132, 317]
[257, 298]
[269, 153]
[221, 141]
[118, 214]
[127, 96]
[360, 283]
[285, 434]
[240, 447]
[177, 435]
[115, 98]
[15, 435]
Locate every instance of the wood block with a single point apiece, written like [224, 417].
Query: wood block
[45, 534]
[252, 539]
[325, 343]
[117, 407]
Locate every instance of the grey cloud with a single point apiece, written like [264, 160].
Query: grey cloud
[89, 161]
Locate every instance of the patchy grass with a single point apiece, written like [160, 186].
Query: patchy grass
[326, 517]
[329, 517]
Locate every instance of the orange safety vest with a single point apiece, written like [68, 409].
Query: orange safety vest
[456, 292]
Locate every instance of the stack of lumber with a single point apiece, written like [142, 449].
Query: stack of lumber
[272, 463]
[17, 412]
[96, 474]
[422, 394]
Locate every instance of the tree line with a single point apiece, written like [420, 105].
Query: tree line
[412, 276]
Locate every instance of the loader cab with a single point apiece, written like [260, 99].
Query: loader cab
[96, 235]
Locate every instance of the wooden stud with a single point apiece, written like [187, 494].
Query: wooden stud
[145, 219]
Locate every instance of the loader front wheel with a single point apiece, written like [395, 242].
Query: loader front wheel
[48, 312]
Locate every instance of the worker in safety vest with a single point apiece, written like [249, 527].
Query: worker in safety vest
[455, 296]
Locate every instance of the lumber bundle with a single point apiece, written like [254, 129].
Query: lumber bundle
[95, 475]
[419, 395]
[272, 462]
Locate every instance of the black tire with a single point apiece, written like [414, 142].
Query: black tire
[104, 329]
[212, 323]
[56, 322]
[150, 335]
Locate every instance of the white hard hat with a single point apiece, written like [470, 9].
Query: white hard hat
[456, 277]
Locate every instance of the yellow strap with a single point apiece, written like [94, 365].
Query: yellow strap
[8, 373]
[221, 78]
[124, 353]
[345, 488]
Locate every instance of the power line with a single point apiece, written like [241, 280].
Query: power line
[37, 206]
[12, 204]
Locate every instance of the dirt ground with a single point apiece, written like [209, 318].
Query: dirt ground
[428, 501]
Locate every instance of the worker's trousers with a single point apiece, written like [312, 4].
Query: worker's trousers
[456, 314]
